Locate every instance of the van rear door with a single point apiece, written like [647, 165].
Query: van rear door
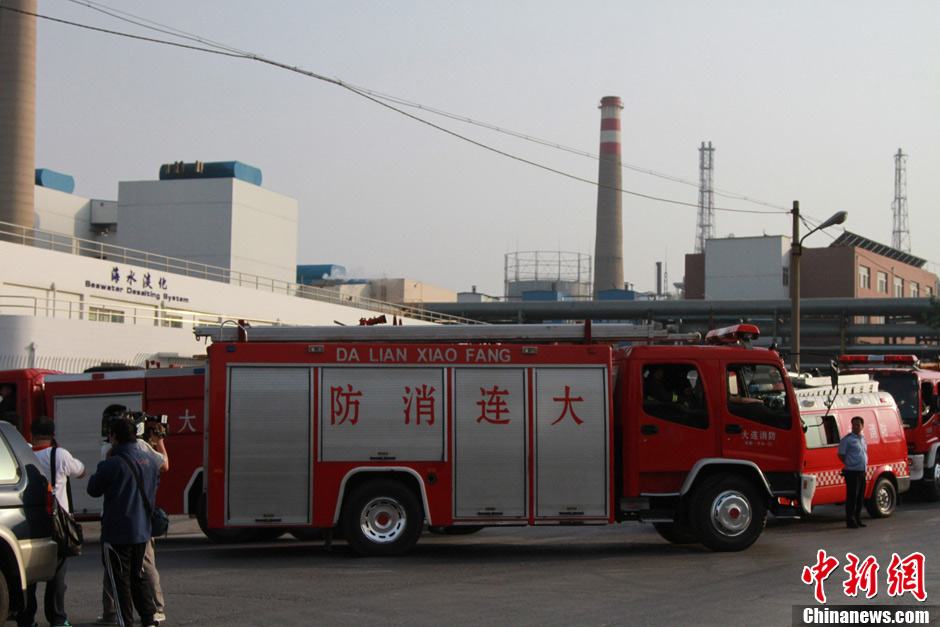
[822, 456]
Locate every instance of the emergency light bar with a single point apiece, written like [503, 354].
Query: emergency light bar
[885, 360]
[733, 334]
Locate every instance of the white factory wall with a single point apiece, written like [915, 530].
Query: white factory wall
[52, 305]
[410, 292]
[264, 232]
[62, 213]
[221, 222]
[747, 267]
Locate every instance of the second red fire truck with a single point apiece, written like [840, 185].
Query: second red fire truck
[915, 390]
[378, 431]
[76, 402]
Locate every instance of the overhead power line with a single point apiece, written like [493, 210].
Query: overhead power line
[210, 47]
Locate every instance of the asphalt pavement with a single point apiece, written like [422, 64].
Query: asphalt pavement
[611, 575]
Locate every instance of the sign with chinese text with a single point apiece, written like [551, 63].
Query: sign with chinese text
[572, 425]
[490, 442]
[382, 414]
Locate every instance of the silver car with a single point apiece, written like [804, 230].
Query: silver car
[27, 550]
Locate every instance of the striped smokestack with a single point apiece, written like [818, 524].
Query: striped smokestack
[608, 244]
[17, 112]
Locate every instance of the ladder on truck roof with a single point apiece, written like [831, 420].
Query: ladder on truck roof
[806, 387]
[852, 391]
[229, 331]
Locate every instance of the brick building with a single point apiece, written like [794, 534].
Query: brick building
[755, 268]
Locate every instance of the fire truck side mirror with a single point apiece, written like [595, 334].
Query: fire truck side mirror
[834, 373]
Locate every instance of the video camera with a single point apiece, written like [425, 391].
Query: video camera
[147, 424]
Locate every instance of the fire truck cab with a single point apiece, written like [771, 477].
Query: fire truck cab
[21, 394]
[378, 431]
[915, 390]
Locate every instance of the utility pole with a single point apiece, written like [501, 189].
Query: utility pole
[796, 254]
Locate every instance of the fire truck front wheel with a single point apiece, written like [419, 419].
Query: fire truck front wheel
[382, 518]
[727, 513]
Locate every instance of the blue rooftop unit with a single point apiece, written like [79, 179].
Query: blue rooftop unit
[211, 170]
[542, 296]
[55, 180]
[617, 295]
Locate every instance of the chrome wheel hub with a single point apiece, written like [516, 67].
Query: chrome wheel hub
[731, 513]
[382, 520]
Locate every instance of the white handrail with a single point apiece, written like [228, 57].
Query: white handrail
[100, 250]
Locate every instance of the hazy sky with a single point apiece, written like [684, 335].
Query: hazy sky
[802, 100]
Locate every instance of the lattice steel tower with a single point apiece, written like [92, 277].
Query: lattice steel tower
[705, 229]
[901, 235]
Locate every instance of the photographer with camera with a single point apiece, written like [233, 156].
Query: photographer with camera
[128, 480]
[152, 444]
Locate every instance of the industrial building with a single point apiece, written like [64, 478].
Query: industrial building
[851, 267]
[125, 281]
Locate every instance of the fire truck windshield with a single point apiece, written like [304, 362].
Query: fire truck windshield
[903, 386]
[756, 392]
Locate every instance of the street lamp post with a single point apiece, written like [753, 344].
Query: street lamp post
[796, 253]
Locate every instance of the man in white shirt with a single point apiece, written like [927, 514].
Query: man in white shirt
[42, 432]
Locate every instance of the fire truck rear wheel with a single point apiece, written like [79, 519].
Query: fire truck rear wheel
[675, 533]
[382, 518]
[884, 498]
[727, 513]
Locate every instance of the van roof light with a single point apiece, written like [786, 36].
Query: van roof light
[733, 334]
[887, 360]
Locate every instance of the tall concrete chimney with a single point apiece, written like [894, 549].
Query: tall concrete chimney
[608, 244]
[17, 112]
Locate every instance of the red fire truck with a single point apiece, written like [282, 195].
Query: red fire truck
[76, 402]
[827, 413]
[376, 431]
[915, 390]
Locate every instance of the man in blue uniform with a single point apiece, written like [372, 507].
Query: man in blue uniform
[853, 452]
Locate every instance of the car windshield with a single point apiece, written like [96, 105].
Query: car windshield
[903, 387]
